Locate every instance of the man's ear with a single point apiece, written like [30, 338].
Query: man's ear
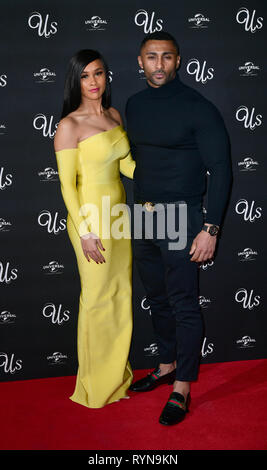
[140, 61]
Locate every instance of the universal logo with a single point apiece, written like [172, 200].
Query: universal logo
[9, 363]
[151, 350]
[199, 21]
[45, 28]
[96, 24]
[57, 315]
[6, 317]
[2, 129]
[6, 180]
[194, 67]
[57, 358]
[3, 80]
[247, 299]
[247, 254]
[4, 225]
[141, 74]
[52, 222]
[45, 124]
[53, 267]
[247, 18]
[203, 301]
[44, 76]
[243, 114]
[7, 275]
[150, 25]
[248, 70]
[48, 174]
[246, 342]
[248, 164]
[250, 214]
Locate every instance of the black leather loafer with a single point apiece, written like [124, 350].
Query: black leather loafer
[175, 409]
[152, 381]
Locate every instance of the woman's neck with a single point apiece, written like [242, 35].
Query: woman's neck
[90, 107]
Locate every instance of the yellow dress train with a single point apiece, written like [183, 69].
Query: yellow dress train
[95, 200]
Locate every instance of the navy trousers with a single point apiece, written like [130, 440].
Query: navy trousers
[170, 280]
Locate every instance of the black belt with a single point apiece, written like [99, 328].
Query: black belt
[150, 205]
[186, 199]
[159, 202]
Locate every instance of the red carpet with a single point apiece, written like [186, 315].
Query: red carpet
[228, 412]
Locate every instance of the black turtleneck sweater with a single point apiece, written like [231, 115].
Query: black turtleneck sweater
[176, 136]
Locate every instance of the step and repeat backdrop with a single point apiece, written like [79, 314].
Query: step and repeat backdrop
[223, 52]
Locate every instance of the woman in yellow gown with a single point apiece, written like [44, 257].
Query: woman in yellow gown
[92, 149]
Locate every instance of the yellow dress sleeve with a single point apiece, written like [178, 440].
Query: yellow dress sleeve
[127, 165]
[67, 164]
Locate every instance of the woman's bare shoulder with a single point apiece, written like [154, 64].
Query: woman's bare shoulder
[115, 115]
[66, 134]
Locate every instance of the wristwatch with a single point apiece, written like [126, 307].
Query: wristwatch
[211, 229]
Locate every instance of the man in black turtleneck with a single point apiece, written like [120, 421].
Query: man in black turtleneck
[176, 136]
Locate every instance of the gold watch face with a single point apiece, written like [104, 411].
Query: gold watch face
[213, 230]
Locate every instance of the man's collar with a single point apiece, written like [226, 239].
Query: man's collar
[168, 89]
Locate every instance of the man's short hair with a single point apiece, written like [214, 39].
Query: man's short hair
[160, 36]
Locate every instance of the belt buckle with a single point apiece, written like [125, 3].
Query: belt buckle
[149, 206]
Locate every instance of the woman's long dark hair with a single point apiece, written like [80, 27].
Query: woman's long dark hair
[72, 89]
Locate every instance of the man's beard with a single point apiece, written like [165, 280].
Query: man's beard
[161, 81]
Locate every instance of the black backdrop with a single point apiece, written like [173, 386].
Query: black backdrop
[222, 48]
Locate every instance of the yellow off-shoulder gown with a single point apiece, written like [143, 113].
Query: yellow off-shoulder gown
[87, 173]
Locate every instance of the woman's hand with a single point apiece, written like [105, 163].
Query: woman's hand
[91, 244]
